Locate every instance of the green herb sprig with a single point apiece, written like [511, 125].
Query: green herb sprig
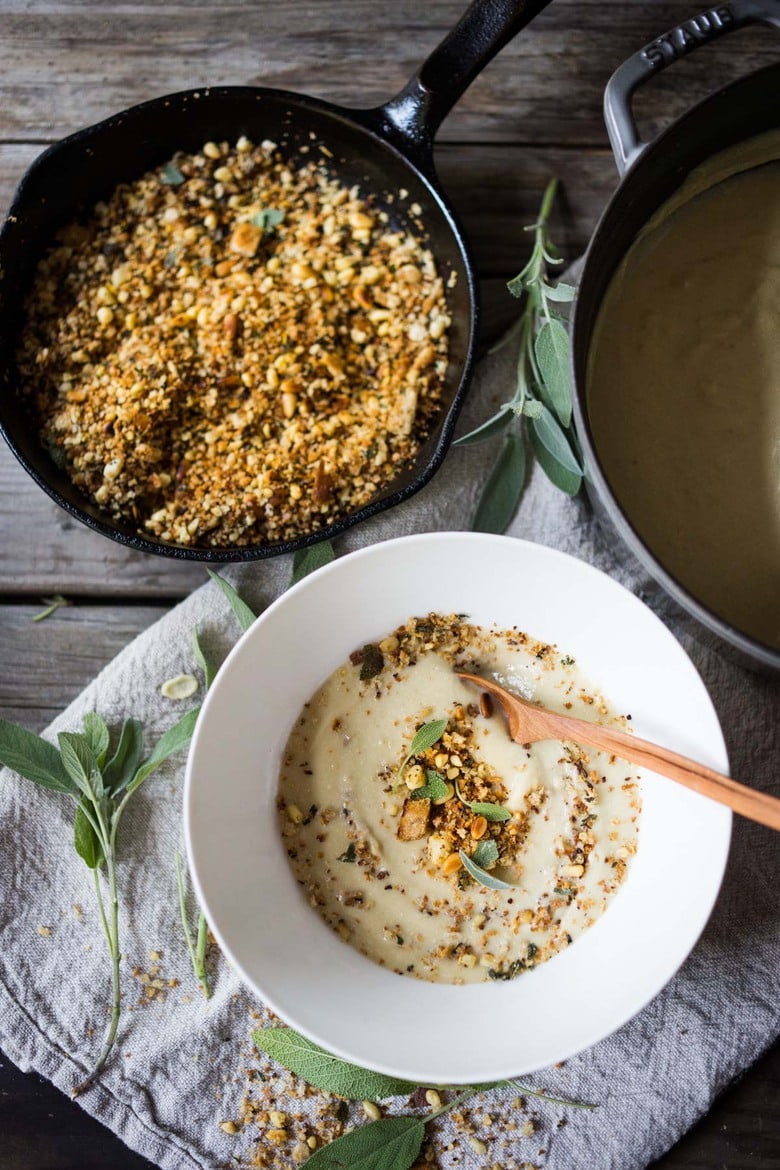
[245, 616]
[392, 1143]
[426, 736]
[52, 605]
[196, 946]
[541, 406]
[100, 785]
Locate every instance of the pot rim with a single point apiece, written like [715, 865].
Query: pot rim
[759, 653]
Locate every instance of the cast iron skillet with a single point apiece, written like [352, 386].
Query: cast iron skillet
[652, 172]
[382, 150]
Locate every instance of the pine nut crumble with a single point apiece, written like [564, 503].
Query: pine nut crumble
[234, 351]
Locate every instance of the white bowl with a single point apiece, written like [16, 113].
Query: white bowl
[281, 948]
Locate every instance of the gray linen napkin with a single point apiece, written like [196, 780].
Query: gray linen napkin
[183, 1065]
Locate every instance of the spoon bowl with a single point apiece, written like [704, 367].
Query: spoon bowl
[529, 723]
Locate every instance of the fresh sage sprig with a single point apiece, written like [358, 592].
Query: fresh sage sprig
[196, 946]
[392, 1143]
[52, 605]
[541, 406]
[325, 1071]
[244, 615]
[100, 785]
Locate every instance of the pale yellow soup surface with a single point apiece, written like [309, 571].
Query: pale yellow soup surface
[684, 389]
[573, 821]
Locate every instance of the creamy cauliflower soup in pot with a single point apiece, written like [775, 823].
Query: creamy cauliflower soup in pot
[683, 386]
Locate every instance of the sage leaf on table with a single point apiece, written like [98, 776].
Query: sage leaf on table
[123, 765]
[561, 474]
[34, 758]
[76, 755]
[553, 439]
[308, 560]
[175, 739]
[244, 615]
[488, 429]
[330, 1073]
[85, 839]
[541, 406]
[204, 662]
[393, 1143]
[501, 494]
[96, 731]
[552, 356]
[196, 946]
[100, 792]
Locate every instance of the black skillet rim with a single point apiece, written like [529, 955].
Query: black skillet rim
[367, 122]
[758, 653]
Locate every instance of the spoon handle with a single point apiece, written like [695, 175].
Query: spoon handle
[749, 802]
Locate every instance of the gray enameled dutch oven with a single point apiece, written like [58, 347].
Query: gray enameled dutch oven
[651, 172]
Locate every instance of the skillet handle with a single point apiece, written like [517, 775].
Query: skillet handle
[413, 116]
[685, 38]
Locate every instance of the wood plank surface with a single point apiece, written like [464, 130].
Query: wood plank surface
[536, 111]
[53, 660]
[66, 64]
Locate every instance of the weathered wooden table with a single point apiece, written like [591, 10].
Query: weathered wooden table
[535, 112]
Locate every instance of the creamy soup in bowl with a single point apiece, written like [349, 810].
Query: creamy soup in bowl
[471, 857]
[483, 1028]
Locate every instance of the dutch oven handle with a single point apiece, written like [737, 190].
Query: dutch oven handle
[412, 117]
[665, 50]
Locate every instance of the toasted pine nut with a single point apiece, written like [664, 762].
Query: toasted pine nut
[478, 827]
[451, 865]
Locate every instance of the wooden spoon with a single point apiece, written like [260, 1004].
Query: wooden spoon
[530, 724]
